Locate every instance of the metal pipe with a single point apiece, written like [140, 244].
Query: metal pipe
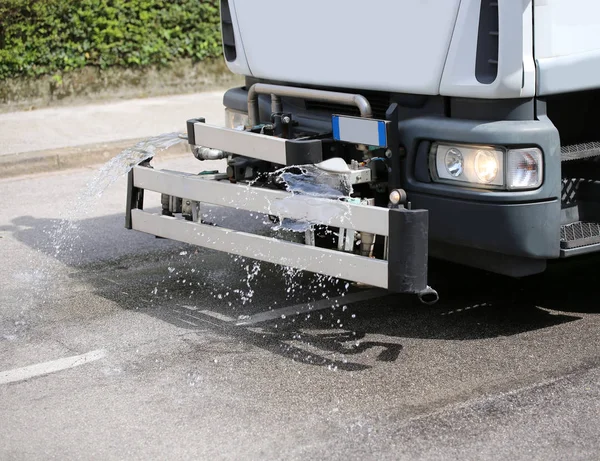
[207, 153]
[367, 241]
[428, 296]
[347, 99]
[276, 104]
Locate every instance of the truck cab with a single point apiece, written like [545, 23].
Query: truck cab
[510, 86]
[467, 130]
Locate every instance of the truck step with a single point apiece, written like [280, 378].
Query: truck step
[580, 151]
[579, 234]
[584, 168]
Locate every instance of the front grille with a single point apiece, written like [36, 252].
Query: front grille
[227, 30]
[379, 104]
[580, 151]
[570, 191]
[580, 167]
[579, 234]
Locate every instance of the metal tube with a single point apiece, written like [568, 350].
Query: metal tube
[276, 105]
[347, 99]
[428, 296]
[207, 153]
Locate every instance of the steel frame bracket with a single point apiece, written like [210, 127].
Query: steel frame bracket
[273, 149]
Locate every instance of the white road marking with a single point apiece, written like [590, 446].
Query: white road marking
[188, 322]
[39, 369]
[111, 280]
[218, 316]
[286, 311]
[314, 306]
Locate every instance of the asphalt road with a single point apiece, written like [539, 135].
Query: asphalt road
[117, 345]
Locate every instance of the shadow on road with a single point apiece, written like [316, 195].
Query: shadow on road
[199, 289]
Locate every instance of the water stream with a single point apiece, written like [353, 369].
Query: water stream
[310, 180]
[65, 237]
[126, 160]
[306, 182]
[234, 288]
[66, 232]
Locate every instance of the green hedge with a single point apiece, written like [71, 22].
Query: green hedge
[45, 37]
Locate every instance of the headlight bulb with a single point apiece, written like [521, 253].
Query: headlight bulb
[454, 162]
[486, 166]
[471, 165]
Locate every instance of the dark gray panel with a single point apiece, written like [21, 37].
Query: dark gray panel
[492, 109]
[512, 266]
[529, 230]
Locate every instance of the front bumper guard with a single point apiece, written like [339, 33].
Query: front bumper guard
[404, 271]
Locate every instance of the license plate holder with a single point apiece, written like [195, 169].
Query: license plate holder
[360, 130]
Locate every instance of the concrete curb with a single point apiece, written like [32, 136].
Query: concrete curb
[71, 157]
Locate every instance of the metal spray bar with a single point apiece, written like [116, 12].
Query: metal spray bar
[404, 271]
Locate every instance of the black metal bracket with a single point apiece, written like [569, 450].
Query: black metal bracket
[395, 177]
[408, 236]
[282, 125]
[191, 134]
[300, 151]
[135, 199]
[408, 250]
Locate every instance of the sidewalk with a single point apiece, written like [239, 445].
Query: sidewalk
[67, 137]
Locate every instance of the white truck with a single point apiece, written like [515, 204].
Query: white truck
[468, 129]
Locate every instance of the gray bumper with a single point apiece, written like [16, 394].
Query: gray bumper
[524, 224]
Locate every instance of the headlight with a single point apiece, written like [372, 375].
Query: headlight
[454, 162]
[477, 166]
[491, 167]
[525, 168]
[235, 119]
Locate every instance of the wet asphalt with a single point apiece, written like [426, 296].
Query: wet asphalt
[498, 369]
